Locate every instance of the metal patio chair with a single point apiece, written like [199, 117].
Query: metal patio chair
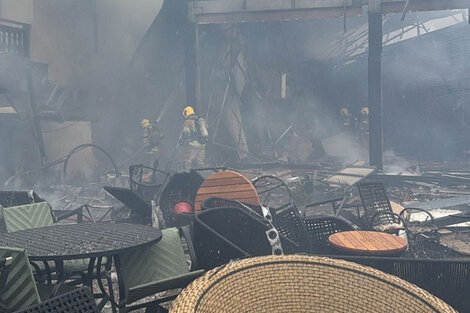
[76, 301]
[40, 215]
[19, 287]
[227, 233]
[159, 268]
[379, 215]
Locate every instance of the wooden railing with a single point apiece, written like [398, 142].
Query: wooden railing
[14, 38]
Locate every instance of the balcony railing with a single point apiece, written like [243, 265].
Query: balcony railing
[14, 38]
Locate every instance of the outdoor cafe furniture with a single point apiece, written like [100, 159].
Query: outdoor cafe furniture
[37, 215]
[59, 243]
[360, 242]
[226, 184]
[227, 233]
[19, 291]
[155, 269]
[448, 279]
[79, 300]
[301, 283]
[309, 234]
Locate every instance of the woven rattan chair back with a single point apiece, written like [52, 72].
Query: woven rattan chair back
[299, 283]
[28, 216]
[20, 289]
[164, 260]
[76, 301]
[320, 228]
[374, 200]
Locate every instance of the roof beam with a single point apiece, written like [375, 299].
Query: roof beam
[240, 11]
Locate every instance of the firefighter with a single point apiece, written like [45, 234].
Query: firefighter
[152, 138]
[346, 119]
[364, 120]
[193, 139]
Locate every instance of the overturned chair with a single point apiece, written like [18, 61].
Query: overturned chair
[303, 284]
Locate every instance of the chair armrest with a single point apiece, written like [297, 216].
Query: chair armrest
[78, 211]
[186, 232]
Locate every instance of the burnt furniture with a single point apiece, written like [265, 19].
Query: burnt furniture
[360, 242]
[82, 241]
[76, 301]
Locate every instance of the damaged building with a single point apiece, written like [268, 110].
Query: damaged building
[252, 136]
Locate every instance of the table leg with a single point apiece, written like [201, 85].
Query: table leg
[106, 296]
[59, 264]
[121, 286]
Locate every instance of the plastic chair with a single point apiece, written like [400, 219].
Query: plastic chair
[156, 269]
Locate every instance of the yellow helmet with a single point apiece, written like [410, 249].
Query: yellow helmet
[365, 110]
[145, 123]
[344, 111]
[189, 110]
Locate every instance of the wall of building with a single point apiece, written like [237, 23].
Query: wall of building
[17, 10]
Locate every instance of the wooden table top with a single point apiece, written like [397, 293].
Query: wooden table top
[229, 185]
[368, 242]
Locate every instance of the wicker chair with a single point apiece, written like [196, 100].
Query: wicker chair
[303, 284]
[76, 301]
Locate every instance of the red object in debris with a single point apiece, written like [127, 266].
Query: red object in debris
[182, 207]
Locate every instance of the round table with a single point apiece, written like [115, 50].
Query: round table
[79, 241]
[368, 243]
[91, 241]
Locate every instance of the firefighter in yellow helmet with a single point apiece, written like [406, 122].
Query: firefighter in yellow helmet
[364, 120]
[152, 138]
[193, 139]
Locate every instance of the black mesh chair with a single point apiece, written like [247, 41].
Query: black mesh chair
[290, 224]
[76, 301]
[320, 228]
[377, 208]
[224, 234]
